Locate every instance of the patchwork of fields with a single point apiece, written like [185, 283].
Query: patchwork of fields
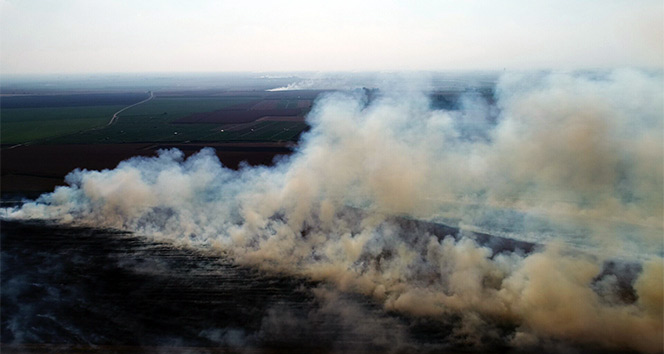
[45, 136]
[224, 117]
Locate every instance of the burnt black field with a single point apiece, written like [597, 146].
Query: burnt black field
[73, 289]
[78, 288]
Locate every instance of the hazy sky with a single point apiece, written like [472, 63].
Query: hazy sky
[80, 36]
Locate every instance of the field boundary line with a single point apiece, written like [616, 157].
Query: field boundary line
[115, 115]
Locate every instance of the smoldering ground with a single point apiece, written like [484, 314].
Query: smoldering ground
[570, 162]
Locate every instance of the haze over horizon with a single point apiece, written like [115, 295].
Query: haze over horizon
[74, 36]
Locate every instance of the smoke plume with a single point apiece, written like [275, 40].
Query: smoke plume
[570, 162]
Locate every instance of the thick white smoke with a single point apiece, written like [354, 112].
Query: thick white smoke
[571, 162]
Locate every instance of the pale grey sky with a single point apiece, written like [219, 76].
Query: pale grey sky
[86, 36]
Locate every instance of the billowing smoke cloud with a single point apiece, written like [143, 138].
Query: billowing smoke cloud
[573, 163]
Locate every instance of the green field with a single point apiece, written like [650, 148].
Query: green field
[151, 121]
[178, 107]
[20, 125]
[287, 104]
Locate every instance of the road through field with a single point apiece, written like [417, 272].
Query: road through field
[115, 115]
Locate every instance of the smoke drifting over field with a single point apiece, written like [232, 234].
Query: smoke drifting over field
[573, 163]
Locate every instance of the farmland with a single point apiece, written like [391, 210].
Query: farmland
[71, 100]
[59, 132]
[225, 117]
[21, 125]
[44, 136]
[29, 118]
